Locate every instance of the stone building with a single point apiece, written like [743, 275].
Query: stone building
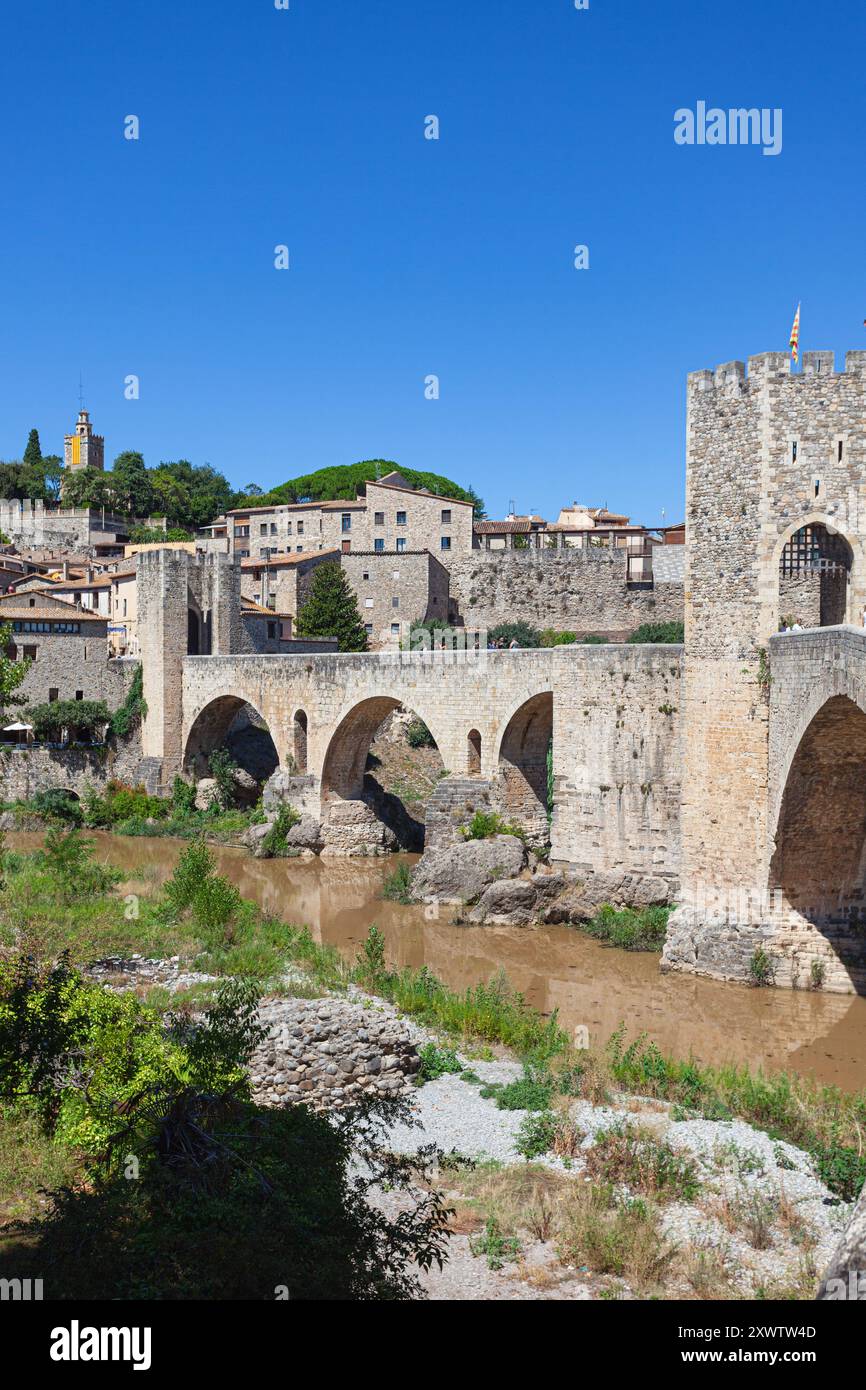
[67, 646]
[282, 581]
[86, 531]
[772, 824]
[388, 515]
[395, 591]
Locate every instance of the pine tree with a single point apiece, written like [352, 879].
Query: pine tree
[33, 452]
[332, 610]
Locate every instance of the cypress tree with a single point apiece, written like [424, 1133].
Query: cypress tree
[332, 610]
[33, 452]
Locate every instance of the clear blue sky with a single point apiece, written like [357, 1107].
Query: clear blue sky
[408, 256]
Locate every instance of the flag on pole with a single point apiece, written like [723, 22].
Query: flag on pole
[795, 336]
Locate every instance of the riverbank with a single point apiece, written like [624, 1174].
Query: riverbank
[712, 1182]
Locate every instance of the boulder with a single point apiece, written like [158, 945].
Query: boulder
[254, 839]
[307, 834]
[517, 902]
[462, 872]
[205, 792]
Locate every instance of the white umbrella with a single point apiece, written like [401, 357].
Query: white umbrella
[17, 728]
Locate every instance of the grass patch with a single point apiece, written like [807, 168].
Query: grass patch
[629, 928]
[397, 887]
[643, 1163]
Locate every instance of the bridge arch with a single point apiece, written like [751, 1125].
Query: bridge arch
[523, 764]
[222, 719]
[345, 758]
[818, 858]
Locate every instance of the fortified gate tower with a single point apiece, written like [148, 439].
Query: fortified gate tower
[776, 530]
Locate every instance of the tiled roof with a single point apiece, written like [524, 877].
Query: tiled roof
[497, 528]
[284, 559]
[42, 615]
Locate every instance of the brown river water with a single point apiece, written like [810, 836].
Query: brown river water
[592, 986]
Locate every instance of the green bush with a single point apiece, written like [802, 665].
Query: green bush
[532, 1091]
[658, 632]
[275, 844]
[418, 735]
[398, 885]
[75, 718]
[195, 864]
[628, 928]
[222, 767]
[485, 824]
[437, 1061]
[133, 709]
[520, 632]
[57, 804]
[536, 1134]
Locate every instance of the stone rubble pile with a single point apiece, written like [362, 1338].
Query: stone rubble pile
[327, 1052]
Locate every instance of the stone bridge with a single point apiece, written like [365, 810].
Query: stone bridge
[611, 713]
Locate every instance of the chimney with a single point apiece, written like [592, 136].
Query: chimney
[65, 570]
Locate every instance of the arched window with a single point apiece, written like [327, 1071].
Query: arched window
[474, 753]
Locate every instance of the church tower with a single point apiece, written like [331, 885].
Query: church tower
[84, 449]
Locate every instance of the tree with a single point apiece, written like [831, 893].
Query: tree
[343, 480]
[33, 452]
[130, 484]
[12, 673]
[252, 490]
[87, 487]
[208, 493]
[332, 610]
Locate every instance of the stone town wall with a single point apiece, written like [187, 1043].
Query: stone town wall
[582, 591]
[26, 771]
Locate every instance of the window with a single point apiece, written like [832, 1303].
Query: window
[79, 694]
[53, 694]
[32, 603]
[289, 529]
[368, 628]
[346, 521]
[346, 546]
[817, 485]
[794, 452]
[379, 546]
[368, 603]
[366, 574]
[444, 542]
[241, 532]
[395, 629]
[401, 542]
[378, 518]
[395, 602]
[273, 528]
[401, 518]
[263, 529]
[300, 528]
[244, 554]
[841, 449]
[272, 632]
[30, 653]
[446, 516]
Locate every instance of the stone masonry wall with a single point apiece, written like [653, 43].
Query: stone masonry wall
[767, 453]
[582, 591]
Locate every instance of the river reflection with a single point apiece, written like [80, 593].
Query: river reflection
[822, 1035]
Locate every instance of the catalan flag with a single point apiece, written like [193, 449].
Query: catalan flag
[795, 336]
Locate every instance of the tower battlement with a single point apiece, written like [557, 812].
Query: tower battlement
[731, 377]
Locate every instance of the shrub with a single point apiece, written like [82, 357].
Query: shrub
[762, 968]
[57, 804]
[222, 767]
[520, 632]
[594, 640]
[133, 709]
[630, 929]
[194, 865]
[485, 824]
[74, 718]
[398, 885]
[536, 1134]
[182, 799]
[66, 855]
[658, 632]
[215, 903]
[437, 1061]
[532, 1091]
[642, 1162]
[275, 843]
[418, 735]
[550, 637]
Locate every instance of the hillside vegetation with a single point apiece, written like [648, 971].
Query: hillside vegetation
[342, 481]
